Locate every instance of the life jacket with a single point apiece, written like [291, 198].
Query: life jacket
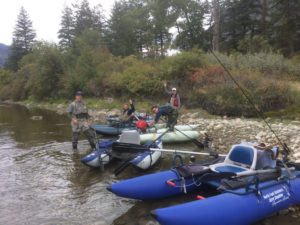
[174, 101]
[142, 125]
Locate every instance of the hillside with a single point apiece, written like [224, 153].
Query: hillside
[3, 53]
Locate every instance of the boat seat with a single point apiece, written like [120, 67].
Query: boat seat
[264, 158]
[240, 158]
[131, 137]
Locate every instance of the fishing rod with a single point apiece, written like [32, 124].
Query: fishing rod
[258, 111]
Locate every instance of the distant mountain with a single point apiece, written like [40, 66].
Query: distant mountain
[3, 53]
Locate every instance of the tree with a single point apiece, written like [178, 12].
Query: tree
[163, 17]
[285, 20]
[84, 62]
[216, 25]
[240, 19]
[129, 28]
[66, 33]
[191, 32]
[86, 18]
[23, 38]
[44, 69]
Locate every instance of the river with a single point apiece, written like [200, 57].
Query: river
[42, 180]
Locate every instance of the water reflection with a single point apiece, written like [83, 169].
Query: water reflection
[41, 178]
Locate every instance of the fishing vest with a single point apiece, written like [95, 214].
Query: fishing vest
[79, 110]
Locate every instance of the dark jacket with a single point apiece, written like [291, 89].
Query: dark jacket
[129, 111]
[164, 110]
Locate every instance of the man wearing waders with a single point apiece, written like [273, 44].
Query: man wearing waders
[80, 121]
[166, 110]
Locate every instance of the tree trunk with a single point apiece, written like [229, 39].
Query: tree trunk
[264, 14]
[216, 30]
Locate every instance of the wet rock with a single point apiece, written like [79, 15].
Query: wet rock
[194, 115]
[60, 106]
[219, 126]
[266, 222]
[114, 112]
[297, 155]
[284, 212]
[293, 209]
[36, 118]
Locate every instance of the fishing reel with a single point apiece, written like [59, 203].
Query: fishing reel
[209, 144]
[207, 141]
[285, 152]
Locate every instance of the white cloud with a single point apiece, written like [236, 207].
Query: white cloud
[44, 14]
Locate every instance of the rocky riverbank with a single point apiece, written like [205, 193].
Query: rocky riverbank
[228, 131]
[224, 131]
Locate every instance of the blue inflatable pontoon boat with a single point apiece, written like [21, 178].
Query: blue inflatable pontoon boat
[245, 181]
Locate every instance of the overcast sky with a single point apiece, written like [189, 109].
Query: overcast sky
[44, 14]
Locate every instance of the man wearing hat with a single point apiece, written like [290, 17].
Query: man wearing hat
[175, 99]
[80, 121]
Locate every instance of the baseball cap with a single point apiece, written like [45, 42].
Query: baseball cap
[78, 93]
[173, 89]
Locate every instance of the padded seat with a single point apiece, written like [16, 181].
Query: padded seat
[131, 137]
[229, 168]
[240, 158]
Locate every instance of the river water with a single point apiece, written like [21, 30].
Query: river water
[42, 180]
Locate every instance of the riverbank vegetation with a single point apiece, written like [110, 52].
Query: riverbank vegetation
[127, 56]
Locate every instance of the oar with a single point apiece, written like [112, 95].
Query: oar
[124, 165]
[139, 149]
[195, 141]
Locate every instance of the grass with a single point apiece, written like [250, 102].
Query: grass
[92, 103]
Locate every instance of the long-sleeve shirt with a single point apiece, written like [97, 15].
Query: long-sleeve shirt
[164, 110]
[175, 99]
[129, 111]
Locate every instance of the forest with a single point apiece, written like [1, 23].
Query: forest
[144, 43]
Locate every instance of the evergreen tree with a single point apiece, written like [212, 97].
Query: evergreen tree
[86, 18]
[163, 17]
[216, 25]
[240, 19]
[129, 28]
[23, 38]
[190, 28]
[66, 33]
[285, 20]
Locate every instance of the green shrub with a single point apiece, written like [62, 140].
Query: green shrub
[14, 91]
[270, 64]
[222, 96]
[255, 44]
[137, 78]
[43, 68]
[178, 67]
[5, 77]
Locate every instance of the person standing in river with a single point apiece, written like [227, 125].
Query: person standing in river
[175, 98]
[80, 121]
